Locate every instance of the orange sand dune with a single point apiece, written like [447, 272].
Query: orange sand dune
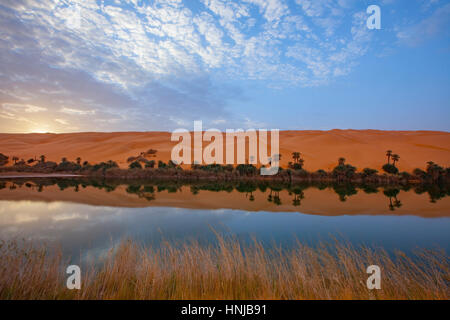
[320, 149]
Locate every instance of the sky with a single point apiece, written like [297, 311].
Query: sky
[141, 65]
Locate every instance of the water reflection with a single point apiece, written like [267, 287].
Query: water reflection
[87, 216]
[262, 195]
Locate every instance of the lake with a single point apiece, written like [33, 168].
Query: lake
[87, 217]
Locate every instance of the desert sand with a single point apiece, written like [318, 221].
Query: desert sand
[320, 149]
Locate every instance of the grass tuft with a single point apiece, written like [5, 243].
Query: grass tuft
[228, 270]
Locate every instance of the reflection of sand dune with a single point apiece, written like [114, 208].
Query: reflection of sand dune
[325, 202]
[321, 149]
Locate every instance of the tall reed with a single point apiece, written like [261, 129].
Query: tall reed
[228, 270]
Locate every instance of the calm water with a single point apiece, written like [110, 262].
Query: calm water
[86, 217]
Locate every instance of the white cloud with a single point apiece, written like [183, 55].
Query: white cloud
[73, 111]
[415, 34]
[129, 47]
[17, 108]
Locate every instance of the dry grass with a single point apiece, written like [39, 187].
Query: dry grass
[226, 271]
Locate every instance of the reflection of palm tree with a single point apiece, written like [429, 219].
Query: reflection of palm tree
[396, 204]
[391, 206]
[269, 198]
[393, 201]
[298, 195]
[297, 199]
[276, 198]
[250, 195]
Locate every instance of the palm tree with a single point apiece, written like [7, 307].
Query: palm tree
[78, 160]
[395, 158]
[296, 156]
[64, 159]
[389, 155]
[301, 162]
[15, 159]
[42, 158]
[341, 161]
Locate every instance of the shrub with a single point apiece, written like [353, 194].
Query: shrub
[105, 165]
[68, 166]
[389, 168]
[246, 169]
[46, 166]
[161, 164]
[150, 164]
[419, 173]
[344, 171]
[405, 175]
[135, 165]
[3, 159]
[295, 166]
[368, 172]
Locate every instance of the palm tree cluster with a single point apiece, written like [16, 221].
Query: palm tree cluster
[298, 161]
[343, 171]
[388, 167]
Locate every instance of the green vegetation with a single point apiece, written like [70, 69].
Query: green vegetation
[343, 171]
[135, 165]
[390, 168]
[298, 161]
[151, 169]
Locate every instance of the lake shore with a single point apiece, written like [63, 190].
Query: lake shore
[13, 175]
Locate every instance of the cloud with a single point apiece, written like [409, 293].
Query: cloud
[140, 65]
[437, 23]
[28, 108]
[71, 111]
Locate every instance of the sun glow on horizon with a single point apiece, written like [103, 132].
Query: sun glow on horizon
[44, 128]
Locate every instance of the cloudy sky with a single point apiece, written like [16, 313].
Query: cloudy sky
[142, 65]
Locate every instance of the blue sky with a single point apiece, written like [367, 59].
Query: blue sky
[135, 65]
